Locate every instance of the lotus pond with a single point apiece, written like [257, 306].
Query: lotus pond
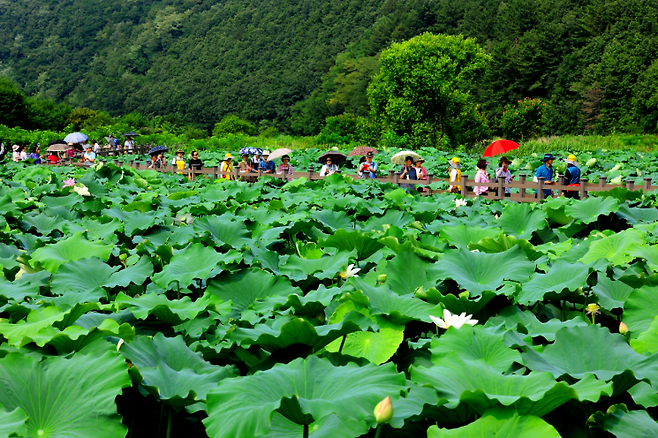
[147, 305]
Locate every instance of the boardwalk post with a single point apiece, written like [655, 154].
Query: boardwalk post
[522, 178]
[116, 162]
[391, 176]
[130, 163]
[602, 180]
[464, 189]
[214, 172]
[396, 179]
[583, 188]
[501, 189]
[310, 173]
[284, 175]
[260, 172]
[630, 184]
[540, 189]
[647, 183]
[430, 178]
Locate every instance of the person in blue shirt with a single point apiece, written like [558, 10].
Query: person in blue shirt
[368, 169]
[545, 171]
[408, 172]
[572, 177]
[267, 165]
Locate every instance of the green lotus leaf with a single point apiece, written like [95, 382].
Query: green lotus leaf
[612, 293]
[499, 423]
[75, 247]
[248, 288]
[512, 317]
[197, 261]
[644, 395]
[413, 404]
[562, 275]
[459, 303]
[172, 312]
[617, 249]
[304, 390]
[136, 221]
[474, 343]
[224, 231]
[95, 229]
[333, 220]
[28, 285]
[283, 332]
[640, 309]
[503, 243]
[8, 256]
[391, 218]
[82, 276]
[647, 341]
[170, 371]
[135, 274]
[589, 210]
[12, 424]
[479, 272]
[461, 236]
[633, 424]
[43, 224]
[401, 309]
[578, 351]
[637, 215]
[521, 220]
[75, 337]
[66, 397]
[397, 272]
[555, 213]
[350, 240]
[299, 269]
[22, 332]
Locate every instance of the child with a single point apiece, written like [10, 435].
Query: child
[455, 174]
[481, 177]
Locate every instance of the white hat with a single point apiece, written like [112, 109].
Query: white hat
[15, 147]
[265, 152]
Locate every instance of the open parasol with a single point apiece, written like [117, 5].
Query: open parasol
[362, 150]
[131, 134]
[500, 147]
[250, 150]
[401, 156]
[278, 153]
[158, 150]
[75, 137]
[336, 157]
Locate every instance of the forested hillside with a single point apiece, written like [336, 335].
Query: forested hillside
[292, 63]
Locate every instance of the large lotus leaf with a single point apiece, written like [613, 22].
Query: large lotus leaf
[8, 256]
[512, 317]
[333, 220]
[397, 272]
[612, 293]
[401, 309]
[349, 240]
[562, 275]
[474, 343]
[12, 424]
[633, 424]
[499, 423]
[328, 427]
[250, 287]
[554, 208]
[637, 215]
[617, 249]
[299, 269]
[136, 221]
[640, 309]
[647, 341]
[197, 261]
[135, 274]
[74, 247]
[521, 220]
[224, 231]
[390, 218]
[28, 285]
[82, 276]
[479, 272]
[590, 209]
[75, 338]
[95, 229]
[42, 223]
[66, 397]
[172, 312]
[22, 332]
[461, 236]
[284, 332]
[578, 351]
[172, 372]
[303, 390]
[644, 395]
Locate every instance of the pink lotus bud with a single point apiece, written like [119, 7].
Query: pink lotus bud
[384, 411]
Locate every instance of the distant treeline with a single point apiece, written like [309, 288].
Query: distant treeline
[290, 64]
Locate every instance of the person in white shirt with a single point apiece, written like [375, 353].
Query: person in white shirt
[129, 144]
[16, 153]
[328, 168]
[97, 147]
[23, 155]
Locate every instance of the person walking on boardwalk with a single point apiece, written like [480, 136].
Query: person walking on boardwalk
[285, 165]
[455, 174]
[503, 172]
[267, 165]
[227, 166]
[481, 176]
[571, 177]
[368, 169]
[545, 171]
[179, 162]
[245, 167]
[408, 171]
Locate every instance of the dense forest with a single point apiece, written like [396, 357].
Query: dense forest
[293, 63]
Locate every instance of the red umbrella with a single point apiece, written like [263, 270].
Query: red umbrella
[500, 147]
[362, 150]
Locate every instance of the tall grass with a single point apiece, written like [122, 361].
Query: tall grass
[589, 143]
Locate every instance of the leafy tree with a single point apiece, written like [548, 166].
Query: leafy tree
[233, 125]
[524, 120]
[13, 105]
[425, 84]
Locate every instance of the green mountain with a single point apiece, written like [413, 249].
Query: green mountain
[292, 63]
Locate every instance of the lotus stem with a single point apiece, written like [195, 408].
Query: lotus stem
[160, 418]
[342, 343]
[306, 431]
[169, 422]
[379, 430]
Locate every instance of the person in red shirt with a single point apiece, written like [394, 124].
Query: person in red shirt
[53, 159]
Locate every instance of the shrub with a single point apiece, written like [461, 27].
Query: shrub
[233, 125]
[524, 120]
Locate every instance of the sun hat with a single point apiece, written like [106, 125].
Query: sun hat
[548, 157]
[504, 159]
[370, 154]
[571, 159]
[285, 157]
[180, 151]
[228, 157]
[15, 147]
[419, 160]
[455, 163]
[266, 152]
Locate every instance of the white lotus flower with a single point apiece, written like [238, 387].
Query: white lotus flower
[351, 271]
[460, 203]
[450, 320]
[82, 191]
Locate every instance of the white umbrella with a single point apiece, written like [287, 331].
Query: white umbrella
[57, 148]
[400, 157]
[278, 153]
[75, 137]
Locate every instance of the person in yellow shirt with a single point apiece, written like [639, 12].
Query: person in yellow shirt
[227, 166]
[179, 162]
[455, 174]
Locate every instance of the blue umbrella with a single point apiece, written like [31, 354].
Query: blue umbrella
[158, 149]
[251, 151]
[75, 137]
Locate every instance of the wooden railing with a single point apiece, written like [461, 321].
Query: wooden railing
[393, 177]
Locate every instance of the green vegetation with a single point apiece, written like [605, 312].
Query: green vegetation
[218, 308]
